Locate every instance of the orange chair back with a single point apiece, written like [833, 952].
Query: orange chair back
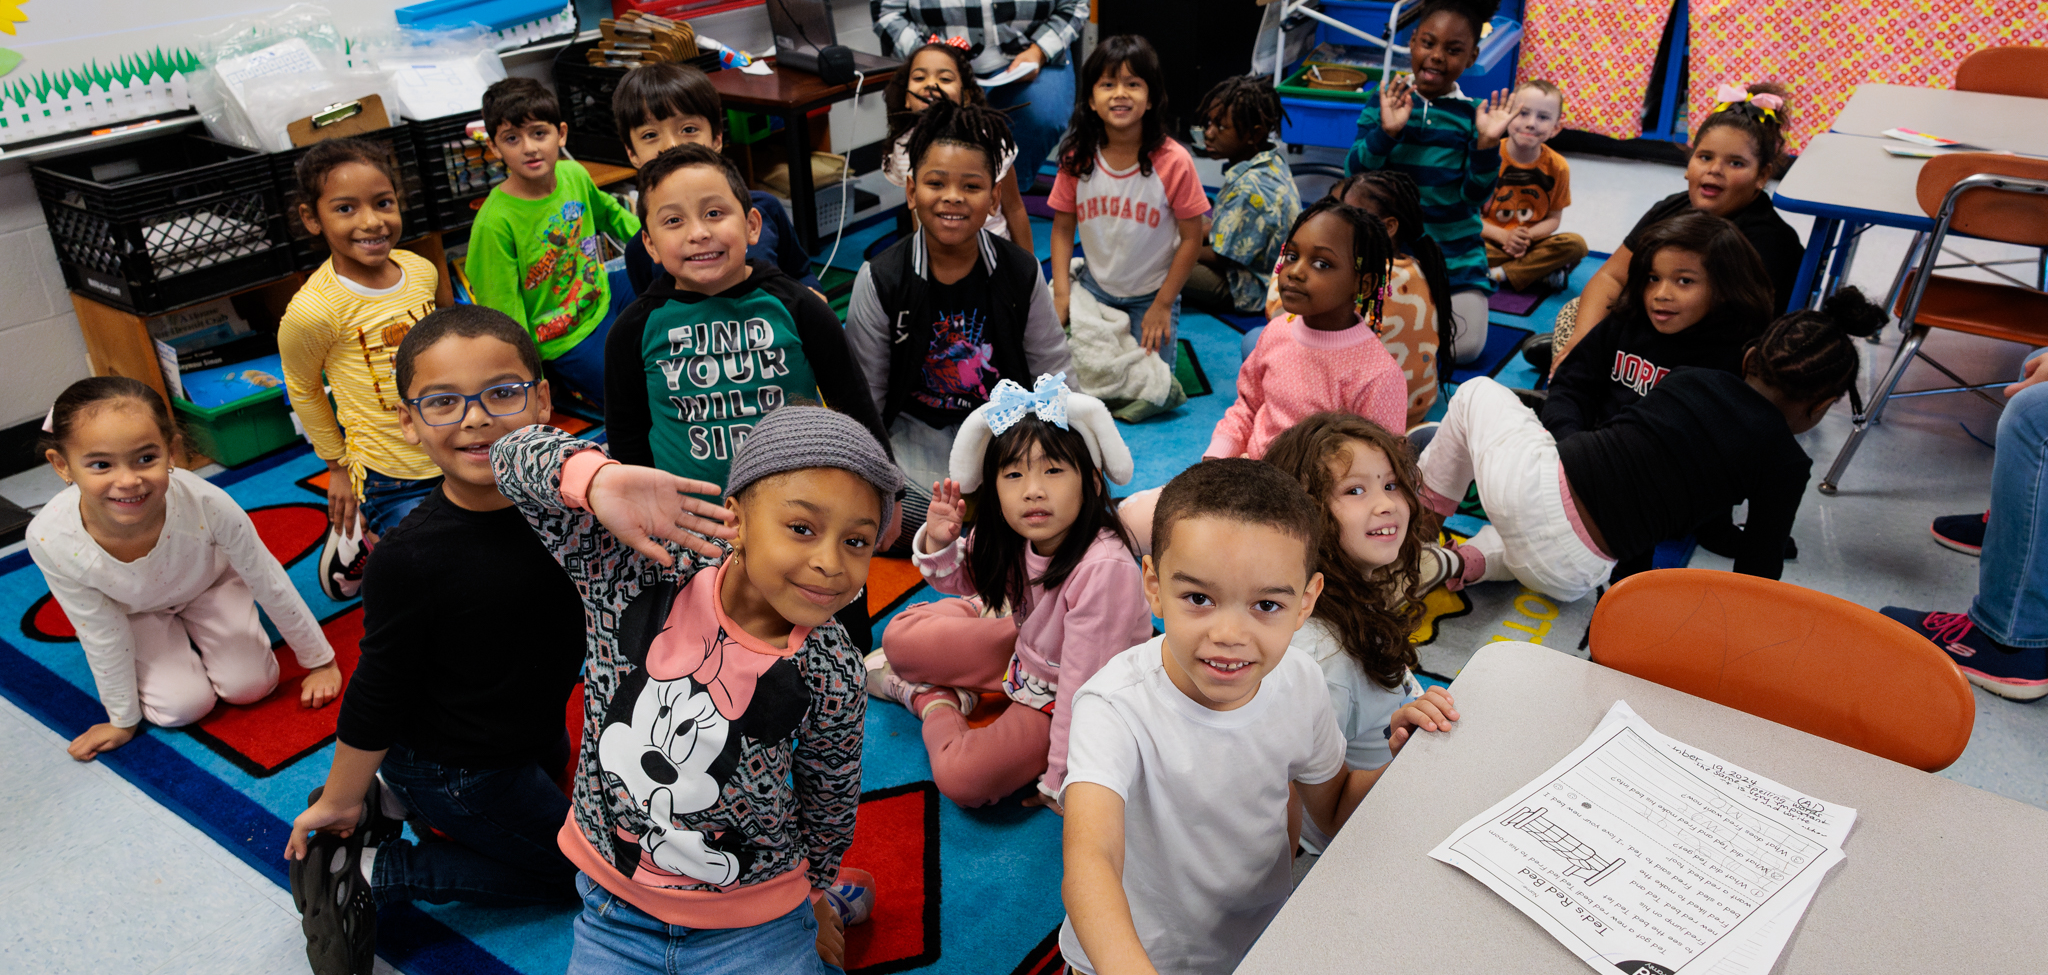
[2016, 218]
[1801, 658]
[2013, 70]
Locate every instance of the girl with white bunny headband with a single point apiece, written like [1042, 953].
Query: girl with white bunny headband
[1045, 544]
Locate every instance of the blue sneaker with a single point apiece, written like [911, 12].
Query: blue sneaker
[2017, 673]
[1963, 533]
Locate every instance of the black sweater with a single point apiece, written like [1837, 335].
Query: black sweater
[1625, 358]
[472, 639]
[1698, 444]
[1774, 239]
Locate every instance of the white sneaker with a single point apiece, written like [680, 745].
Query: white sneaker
[883, 684]
[341, 564]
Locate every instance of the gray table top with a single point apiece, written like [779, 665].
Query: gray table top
[1992, 121]
[1939, 876]
[1851, 177]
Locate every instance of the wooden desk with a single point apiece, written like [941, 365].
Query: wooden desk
[792, 96]
[1940, 877]
[1993, 121]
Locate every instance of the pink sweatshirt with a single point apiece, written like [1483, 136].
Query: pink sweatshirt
[1297, 371]
[1064, 635]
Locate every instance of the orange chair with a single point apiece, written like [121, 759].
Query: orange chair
[1801, 658]
[1984, 195]
[2016, 69]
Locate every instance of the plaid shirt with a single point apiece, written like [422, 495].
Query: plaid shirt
[1051, 24]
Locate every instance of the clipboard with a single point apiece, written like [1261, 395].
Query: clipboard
[365, 114]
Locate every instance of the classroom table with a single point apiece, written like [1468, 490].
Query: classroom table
[2009, 122]
[1847, 183]
[1940, 877]
[792, 96]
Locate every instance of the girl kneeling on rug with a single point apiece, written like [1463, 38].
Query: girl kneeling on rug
[1370, 552]
[160, 571]
[1046, 544]
[1701, 442]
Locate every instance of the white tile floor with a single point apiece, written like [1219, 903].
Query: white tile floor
[102, 880]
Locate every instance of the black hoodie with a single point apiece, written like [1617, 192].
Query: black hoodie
[1624, 357]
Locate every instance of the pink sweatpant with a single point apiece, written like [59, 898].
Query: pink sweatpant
[949, 644]
[234, 661]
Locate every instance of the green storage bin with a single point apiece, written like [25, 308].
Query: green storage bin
[241, 431]
[747, 128]
[1297, 86]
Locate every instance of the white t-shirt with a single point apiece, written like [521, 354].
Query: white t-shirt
[1206, 861]
[1127, 218]
[896, 169]
[1364, 710]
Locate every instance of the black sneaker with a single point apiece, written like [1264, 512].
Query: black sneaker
[1963, 533]
[341, 566]
[1538, 350]
[2016, 673]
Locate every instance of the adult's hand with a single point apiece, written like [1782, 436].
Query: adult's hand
[1030, 55]
[2032, 373]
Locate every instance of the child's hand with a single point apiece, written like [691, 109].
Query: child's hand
[341, 499]
[831, 935]
[102, 737]
[338, 817]
[1158, 327]
[1395, 104]
[1494, 115]
[1433, 711]
[641, 504]
[321, 685]
[942, 520]
[1516, 243]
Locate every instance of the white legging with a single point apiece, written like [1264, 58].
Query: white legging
[1470, 309]
[233, 660]
[1488, 436]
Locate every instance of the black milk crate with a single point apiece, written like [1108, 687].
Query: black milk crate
[308, 251]
[585, 93]
[161, 223]
[456, 171]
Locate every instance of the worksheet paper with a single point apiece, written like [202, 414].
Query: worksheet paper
[1646, 856]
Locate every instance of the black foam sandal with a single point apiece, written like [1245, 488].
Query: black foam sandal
[375, 828]
[338, 912]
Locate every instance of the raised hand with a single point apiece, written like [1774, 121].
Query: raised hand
[1494, 115]
[644, 506]
[942, 519]
[1395, 104]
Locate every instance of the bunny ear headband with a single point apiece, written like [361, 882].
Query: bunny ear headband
[1052, 402]
[1766, 104]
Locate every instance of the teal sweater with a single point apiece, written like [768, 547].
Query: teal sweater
[1438, 148]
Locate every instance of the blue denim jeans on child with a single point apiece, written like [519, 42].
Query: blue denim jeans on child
[616, 938]
[499, 827]
[1048, 103]
[387, 500]
[1136, 306]
[2012, 579]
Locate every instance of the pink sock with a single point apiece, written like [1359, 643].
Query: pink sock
[921, 701]
[1438, 503]
[1472, 569]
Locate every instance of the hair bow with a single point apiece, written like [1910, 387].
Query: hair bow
[1008, 403]
[959, 42]
[50, 421]
[1728, 96]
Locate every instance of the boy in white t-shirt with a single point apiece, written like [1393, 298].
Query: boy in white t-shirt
[1182, 748]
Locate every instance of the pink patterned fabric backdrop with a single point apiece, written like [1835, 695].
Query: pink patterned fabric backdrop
[1601, 52]
[1821, 50]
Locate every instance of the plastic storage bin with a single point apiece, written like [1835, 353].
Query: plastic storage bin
[241, 431]
[585, 93]
[456, 171]
[165, 222]
[308, 252]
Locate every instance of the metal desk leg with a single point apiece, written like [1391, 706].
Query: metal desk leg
[1809, 265]
[1844, 257]
[803, 197]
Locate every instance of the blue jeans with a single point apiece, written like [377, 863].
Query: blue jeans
[500, 826]
[616, 938]
[387, 500]
[1048, 99]
[2012, 574]
[1250, 341]
[1136, 306]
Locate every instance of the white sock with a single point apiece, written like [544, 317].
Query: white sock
[369, 860]
[1497, 273]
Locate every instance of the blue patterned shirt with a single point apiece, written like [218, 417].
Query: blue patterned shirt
[1256, 207]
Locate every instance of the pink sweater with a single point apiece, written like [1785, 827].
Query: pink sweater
[1297, 371]
[1064, 635]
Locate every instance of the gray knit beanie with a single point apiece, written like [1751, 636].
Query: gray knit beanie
[792, 438]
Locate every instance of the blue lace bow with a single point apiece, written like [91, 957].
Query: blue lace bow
[1009, 402]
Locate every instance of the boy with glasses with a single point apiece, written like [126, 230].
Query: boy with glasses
[473, 638]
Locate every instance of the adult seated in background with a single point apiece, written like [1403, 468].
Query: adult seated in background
[2001, 644]
[1038, 32]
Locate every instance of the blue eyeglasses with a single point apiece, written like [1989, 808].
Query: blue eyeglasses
[442, 409]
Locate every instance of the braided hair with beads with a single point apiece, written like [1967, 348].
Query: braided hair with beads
[1249, 104]
[1810, 356]
[1372, 254]
[1388, 193]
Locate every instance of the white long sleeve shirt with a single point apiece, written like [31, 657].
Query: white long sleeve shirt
[205, 534]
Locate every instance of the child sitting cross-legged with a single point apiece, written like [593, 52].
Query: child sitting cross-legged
[1523, 247]
[1184, 748]
[1046, 544]
[1257, 203]
[720, 770]
[472, 641]
[533, 251]
[1374, 552]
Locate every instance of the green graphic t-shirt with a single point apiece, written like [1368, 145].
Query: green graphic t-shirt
[537, 260]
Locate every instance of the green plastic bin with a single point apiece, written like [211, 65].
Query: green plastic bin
[241, 431]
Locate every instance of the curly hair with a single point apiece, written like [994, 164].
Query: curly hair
[895, 97]
[1249, 104]
[1765, 127]
[1372, 611]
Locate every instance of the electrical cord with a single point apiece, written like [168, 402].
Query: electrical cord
[845, 177]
